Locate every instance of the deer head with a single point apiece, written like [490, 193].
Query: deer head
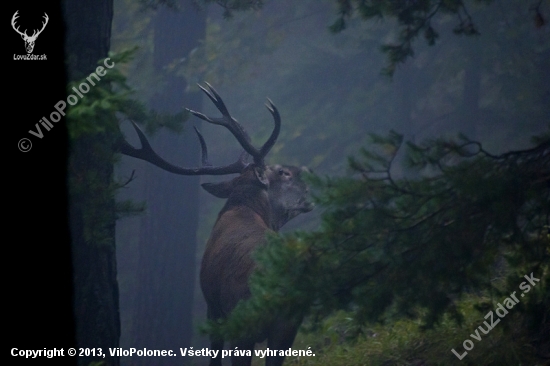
[29, 40]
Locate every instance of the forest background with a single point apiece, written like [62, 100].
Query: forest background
[335, 82]
[338, 72]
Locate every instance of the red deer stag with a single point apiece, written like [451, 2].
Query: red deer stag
[260, 200]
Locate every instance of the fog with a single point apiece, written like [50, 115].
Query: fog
[331, 93]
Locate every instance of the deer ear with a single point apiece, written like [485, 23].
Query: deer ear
[261, 177]
[220, 190]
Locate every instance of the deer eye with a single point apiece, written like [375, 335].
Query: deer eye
[285, 173]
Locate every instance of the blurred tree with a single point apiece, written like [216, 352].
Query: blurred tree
[158, 279]
[162, 317]
[414, 18]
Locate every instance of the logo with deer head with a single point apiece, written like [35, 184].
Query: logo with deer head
[29, 40]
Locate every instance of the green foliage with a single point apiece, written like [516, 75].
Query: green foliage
[97, 363]
[406, 342]
[100, 108]
[410, 246]
[414, 18]
[94, 112]
[93, 124]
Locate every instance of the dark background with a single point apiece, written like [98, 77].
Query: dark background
[38, 267]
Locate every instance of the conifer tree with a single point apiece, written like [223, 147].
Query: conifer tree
[411, 242]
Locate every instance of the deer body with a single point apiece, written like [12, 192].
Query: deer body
[226, 265]
[259, 201]
[252, 210]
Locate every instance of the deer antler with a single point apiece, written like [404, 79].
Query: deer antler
[236, 129]
[147, 153]
[15, 16]
[35, 34]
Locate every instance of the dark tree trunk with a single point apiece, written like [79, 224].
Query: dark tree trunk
[92, 206]
[168, 231]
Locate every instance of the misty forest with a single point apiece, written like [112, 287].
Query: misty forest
[407, 143]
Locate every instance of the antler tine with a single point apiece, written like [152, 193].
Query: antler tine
[227, 120]
[204, 150]
[200, 115]
[236, 129]
[275, 133]
[218, 102]
[13, 19]
[216, 99]
[43, 24]
[147, 153]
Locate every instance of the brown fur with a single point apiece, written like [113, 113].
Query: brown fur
[259, 201]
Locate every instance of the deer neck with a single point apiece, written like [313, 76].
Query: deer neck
[251, 197]
[279, 217]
